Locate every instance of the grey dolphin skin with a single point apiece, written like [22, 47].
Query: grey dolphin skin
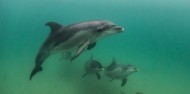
[93, 67]
[120, 71]
[79, 36]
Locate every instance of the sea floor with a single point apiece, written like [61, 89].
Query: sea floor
[62, 77]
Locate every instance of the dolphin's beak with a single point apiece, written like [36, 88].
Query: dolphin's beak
[102, 69]
[137, 69]
[122, 28]
[119, 28]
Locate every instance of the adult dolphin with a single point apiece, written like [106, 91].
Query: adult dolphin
[79, 35]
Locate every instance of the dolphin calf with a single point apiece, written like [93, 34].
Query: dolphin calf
[93, 67]
[79, 36]
[120, 71]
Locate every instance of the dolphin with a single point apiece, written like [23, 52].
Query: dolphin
[120, 71]
[79, 36]
[93, 67]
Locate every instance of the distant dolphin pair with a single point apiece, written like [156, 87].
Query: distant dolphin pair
[113, 71]
[78, 36]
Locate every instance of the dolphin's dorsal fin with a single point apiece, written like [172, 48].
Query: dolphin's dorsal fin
[54, 27]
[112, 65]
[113, 62]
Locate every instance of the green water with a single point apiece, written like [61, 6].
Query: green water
[156, 40]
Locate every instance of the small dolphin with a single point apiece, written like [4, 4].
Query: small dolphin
[93, 67]
[78, 36]
[120, 71]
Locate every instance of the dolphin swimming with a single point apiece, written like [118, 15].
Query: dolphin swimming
[120, 71]
[79, 36]
[93, 67]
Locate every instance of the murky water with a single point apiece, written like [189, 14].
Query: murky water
[156, 40]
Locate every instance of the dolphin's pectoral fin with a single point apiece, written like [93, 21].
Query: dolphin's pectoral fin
[84, 75]
[92, 45]
[124, 81]
[35, 70]
[54, 27]
[112, 79]
[80, 50]
[98, 76]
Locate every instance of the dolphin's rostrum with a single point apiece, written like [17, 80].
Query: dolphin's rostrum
[77, 37]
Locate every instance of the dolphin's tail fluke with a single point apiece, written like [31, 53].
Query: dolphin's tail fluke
[35, 70]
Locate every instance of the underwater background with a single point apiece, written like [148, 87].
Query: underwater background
[156, 40]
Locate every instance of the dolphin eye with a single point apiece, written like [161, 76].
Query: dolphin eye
[125, 68]
[100, 30]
